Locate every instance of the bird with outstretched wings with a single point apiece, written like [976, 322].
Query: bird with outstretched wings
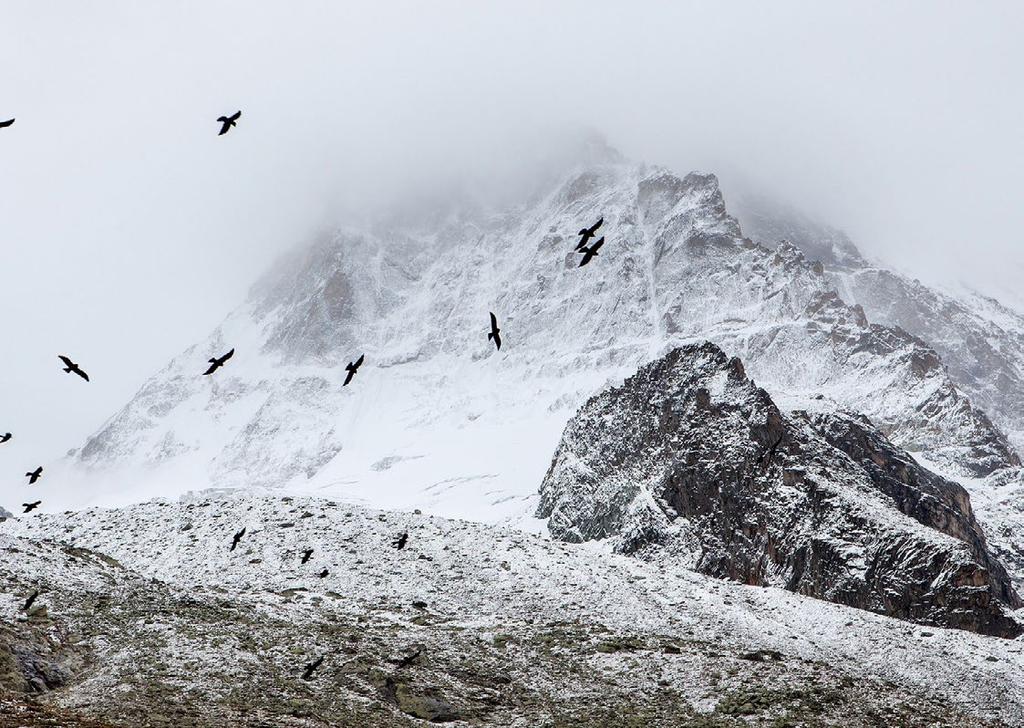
[227, 122]
[71, 368]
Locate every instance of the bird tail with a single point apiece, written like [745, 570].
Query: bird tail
[490, 336]
[68, 369]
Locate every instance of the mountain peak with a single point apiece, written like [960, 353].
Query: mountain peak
[414, 299]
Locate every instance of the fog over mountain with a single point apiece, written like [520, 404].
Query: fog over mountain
[128, 228]
[747, 453]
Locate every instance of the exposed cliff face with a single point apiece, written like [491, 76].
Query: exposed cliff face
[690, 454]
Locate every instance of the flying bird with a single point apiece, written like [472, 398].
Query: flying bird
[311, 667]
[71, 367]
[352, 368]
[306, 554]
[495, 332]
[31, 506]
[34, 475]
[5, 437]
[590, 252]
[217, 362]
[5, 124]
[587, 233]
[30, 601]
[323, 573]
[399, 543]
[238, 537]
[226, 122]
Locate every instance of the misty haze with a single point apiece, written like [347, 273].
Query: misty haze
[548, 364]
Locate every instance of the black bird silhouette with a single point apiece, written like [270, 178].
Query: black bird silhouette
[323, 573]
[217, 362]
[409, 659]
[352, 368]
[590, 252]
[311, 667]
[495, 332]
[30, 601]
[238, 537]
[70, 366]
[587, 233]
[399, 543]
[6, 436]
[34, 475]
[768, 454]
[306, 554]
[31, 506]
[5, 124]
[226, 122]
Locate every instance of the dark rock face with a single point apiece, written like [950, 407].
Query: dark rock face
[31, 661]
[691, 455]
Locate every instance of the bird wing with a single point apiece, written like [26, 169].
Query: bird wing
[225, 125]
[497, 341]
[234, 116]
[5, 124]
[359, 361]
[212, 369]
[82, 374]
[67, 362]
[596, 225]
[494, 323]
[227, 356]
[598, 244]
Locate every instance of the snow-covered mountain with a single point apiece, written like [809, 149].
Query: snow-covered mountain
[438, 419]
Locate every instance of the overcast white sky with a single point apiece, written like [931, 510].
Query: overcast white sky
[128, 228]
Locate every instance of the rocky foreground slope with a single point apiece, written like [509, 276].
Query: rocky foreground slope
[147, 618]
[691, 456]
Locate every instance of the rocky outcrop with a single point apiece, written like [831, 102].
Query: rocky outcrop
[691, 455]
